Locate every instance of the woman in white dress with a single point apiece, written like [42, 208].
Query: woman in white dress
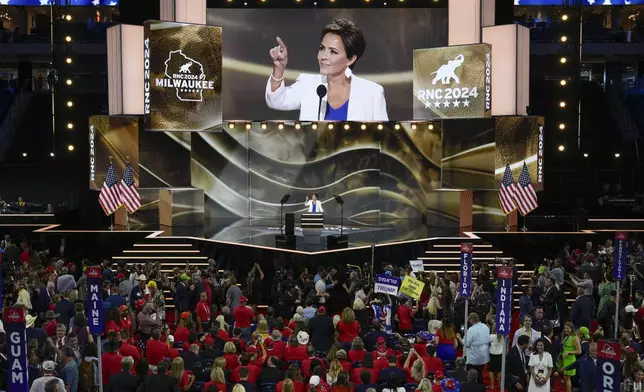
[540, 368]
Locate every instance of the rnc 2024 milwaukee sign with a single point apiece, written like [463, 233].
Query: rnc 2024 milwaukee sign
[453, 82]
[182, 77]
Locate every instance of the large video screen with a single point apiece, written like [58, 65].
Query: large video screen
[583, 2]
[375, 44]
[39, 3]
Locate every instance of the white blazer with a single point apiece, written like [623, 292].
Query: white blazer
[318, 206]
[366, 99]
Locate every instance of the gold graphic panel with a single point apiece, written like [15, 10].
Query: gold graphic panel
[116, 137]
[182, 81]
[453, 82]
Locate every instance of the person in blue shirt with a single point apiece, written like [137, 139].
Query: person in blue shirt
[477, 344]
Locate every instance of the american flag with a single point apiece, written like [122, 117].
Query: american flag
[507, 192]
[525, 195]
[129, 193]
[109, 196]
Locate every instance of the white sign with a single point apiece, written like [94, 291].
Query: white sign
[417, 265]
[387, 284]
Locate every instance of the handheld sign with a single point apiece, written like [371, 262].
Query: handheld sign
[15, 328]
[504, 301]
[465, 284]
[620, 255]
[412, 287]
[387, 284]
[416, 265]
[608, 366]
[95, 300]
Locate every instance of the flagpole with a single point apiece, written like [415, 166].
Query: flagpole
[112, 214]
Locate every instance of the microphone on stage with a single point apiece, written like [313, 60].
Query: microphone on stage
[321, 91]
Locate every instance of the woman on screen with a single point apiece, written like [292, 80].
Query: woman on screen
[336, 94]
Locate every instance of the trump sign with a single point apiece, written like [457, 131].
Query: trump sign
[14, 319]
[95, 299]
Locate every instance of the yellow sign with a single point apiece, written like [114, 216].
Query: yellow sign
[412, 287]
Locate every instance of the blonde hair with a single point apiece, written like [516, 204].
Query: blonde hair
[358, 304]
[262, 327]
[288, 386]
[229, 348]
[348, 316]
[334, 369]
[221, 321]
[220, 362]
[238, 388]
[424, 386]
[434, 325]
[177, 368]
[217, 375]
[297, 317]
[432, 306]
[336, 320]
[418, 370]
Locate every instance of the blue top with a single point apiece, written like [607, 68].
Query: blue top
[339, 114]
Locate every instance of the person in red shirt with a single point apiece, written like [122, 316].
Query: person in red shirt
[357, 376]
[381, 361]
[155, 349]
[243, 316]
[185, 378]
[357, 352]
[348, 327]
[126, 349]
[113, 322]
[203, 312]
[438, 378]
[244, 362]
[292, 376]
[414, 366]
[341, 356]
[309, 363]
[111, 362]
[284, 331]
[182, 332]
[126, 319]
[172, 352]
[404, 314]
[432, 364]
[50, 325]
[218, 379]
[295, 351]
[231, 356]
[318, 384]
[382, 349]
[274, 345]
[257, 358]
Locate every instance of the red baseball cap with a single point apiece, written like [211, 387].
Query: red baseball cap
[321, 309]
[243, 299]
[120, 275]
[209, 341]
[439, 374]
[251, 349]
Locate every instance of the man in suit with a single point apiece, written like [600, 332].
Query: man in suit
[587, 369]
[582, 309]
[160, 382]
[321, 331]
[271, 373]
[472, 384]
[124, 381]
[314, 204]
[516, 365]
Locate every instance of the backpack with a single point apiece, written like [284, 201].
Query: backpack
[87, 377]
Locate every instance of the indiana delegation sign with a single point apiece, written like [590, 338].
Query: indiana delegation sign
[453, 82]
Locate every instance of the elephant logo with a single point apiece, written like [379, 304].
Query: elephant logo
[446, 73]
[185, 68]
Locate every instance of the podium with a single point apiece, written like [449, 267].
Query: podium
[312, 223]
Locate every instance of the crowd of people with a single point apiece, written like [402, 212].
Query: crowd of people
[215, 338]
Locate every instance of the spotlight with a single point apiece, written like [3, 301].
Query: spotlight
[314, 126]
[346, 127]
[380, 127]
[70, 104]
[430, 127]
[564, 38]
[248, 126]
[563, 82]
[564, 17]
[68, 38]
[585, 155]
[617, 155]
[561, 147]
[231, 125]
[70, 126]
[397, 126]
[68, 60]
[297, 125]
[562, 126]
[280, 126]
[68, 18]
[562, 104]
[363, 126]
[263, 125]
[413, 127]
[563, 60]
[24, 154]
[51, 154]
[330, 126]
[70, 147]
[69, 82]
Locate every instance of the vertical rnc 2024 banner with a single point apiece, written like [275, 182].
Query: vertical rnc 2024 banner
[95, 299]
[504, 301]
[620, 255]
[182, 77]
[465, 284]
[608, 366]
[14, 324]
